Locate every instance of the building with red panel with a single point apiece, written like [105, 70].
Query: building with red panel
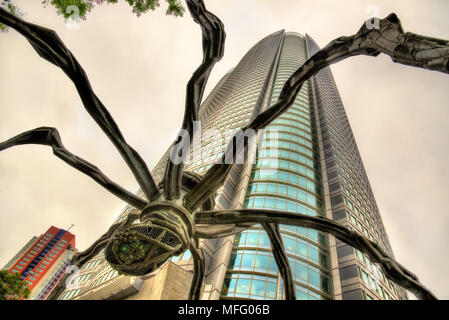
[43, 260]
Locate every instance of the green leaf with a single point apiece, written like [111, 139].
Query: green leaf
[12, 287]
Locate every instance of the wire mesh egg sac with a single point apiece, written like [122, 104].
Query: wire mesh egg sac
[143, 247]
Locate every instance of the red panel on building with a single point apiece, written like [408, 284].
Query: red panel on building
[41, 258]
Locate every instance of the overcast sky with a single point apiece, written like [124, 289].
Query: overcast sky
[139, 67]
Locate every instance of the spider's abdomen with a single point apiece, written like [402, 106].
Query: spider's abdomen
[164, 231]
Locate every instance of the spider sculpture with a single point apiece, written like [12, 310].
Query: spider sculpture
[179, 211]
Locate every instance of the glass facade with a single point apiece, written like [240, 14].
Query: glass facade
[285, 177]
[351, 199]
[306, 162]
[229, 106]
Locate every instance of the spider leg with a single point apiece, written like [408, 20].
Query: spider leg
[50, 47]
[390, 39]
[213, 49]
[198, 270]
[277, 247]
[81, 258]
[220, 231]
[50, 137]
[404, 48]
[278, 250]
[393, 270]
[216, 175]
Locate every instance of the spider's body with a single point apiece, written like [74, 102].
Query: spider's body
[179, 211]
[165, 229]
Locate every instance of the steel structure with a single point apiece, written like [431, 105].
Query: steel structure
[179, 211]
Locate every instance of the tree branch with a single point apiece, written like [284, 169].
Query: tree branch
[50, 137]
[213, 49]
[50, 47]
[390, 39]
[278, 250]
[393, 270]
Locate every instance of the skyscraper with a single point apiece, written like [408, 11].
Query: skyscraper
[43, 261]
[307, 162]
